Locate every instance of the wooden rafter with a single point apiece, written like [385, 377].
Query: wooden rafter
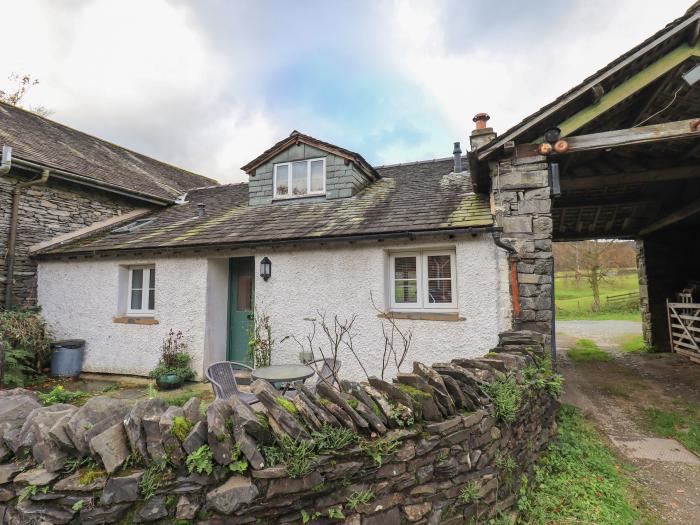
[683, 213]
[624, 179]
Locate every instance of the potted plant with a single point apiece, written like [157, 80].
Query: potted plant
[174, 365]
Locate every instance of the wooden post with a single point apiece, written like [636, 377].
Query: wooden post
[670, 328]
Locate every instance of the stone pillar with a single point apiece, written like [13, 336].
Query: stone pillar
[522, 202]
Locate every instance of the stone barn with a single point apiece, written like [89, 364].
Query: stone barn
[617, 156]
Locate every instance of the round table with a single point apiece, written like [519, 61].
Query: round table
[283, 373]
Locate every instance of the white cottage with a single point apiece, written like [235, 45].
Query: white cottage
[316, 229]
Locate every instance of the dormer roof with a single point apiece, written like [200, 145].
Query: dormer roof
[295, 138]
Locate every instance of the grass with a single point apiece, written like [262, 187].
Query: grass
[682, 424]
[586, 351]
[579, 480]
[635, 343]
[574, 301]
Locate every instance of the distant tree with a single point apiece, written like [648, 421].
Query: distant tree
[596, 263]
[22, 84]
[593, 261]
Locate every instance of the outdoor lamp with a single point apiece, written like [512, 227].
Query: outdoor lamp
[552, 135]
[265, 268]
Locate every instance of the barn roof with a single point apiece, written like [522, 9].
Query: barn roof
[684, 31]
[90, 160]
[410, 198]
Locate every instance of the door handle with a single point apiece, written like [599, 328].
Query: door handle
[250, 317]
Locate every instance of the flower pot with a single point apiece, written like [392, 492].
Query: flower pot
[168, 382]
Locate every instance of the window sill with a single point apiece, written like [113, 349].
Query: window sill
[422, 316]
[126, 319]
[278, 198]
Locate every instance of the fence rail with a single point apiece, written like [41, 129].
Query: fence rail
[684, 329]
[621, 299]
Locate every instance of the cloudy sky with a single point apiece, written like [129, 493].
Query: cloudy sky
[209, 84]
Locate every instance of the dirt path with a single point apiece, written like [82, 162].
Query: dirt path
[615, 394]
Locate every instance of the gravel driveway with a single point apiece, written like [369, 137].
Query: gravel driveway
[615, 395]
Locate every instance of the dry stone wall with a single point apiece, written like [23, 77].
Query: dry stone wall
[428, 448]
[44, 213]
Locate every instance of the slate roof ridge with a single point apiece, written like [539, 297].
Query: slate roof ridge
[216, 187]
[412, 163]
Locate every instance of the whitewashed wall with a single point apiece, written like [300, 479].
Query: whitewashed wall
[338, 280]
[80, 298]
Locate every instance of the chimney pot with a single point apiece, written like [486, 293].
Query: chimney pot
[457, 154]
[481, 135]
[481, 119]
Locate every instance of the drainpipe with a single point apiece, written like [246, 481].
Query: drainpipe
[12, 241]
[513, 259]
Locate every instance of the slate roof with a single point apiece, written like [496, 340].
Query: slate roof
[416, 197]
[37, 139]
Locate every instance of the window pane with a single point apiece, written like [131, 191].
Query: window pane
[244, 294]
[317, 175]
[299, 178]
[151, 299]
[136, 298]
[136, 279]
[440, 291]
[405, 291]
[405, 268]
[439, 267]
[282, 180]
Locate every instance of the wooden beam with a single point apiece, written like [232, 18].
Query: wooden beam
[678, 130]
[586, 201]
[542, 115]
[624, 179]
[683, 213]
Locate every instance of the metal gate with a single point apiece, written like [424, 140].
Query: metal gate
[684, 328]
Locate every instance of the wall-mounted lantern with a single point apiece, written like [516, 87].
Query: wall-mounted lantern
[265, 268]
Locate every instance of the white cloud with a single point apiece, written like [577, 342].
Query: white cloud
[515, 77]
[201, 84]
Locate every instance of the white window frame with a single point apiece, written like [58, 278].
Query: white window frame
[144, 310]
[289, 179]
[423, 304]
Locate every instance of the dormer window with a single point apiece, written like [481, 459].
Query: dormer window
[300, 178]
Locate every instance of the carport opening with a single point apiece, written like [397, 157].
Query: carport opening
[597, 280]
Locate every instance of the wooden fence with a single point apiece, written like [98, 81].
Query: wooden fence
[684, 329]
[622, 299]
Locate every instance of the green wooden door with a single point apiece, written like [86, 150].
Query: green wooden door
[240, 307]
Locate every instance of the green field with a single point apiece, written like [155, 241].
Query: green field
[575, 300]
